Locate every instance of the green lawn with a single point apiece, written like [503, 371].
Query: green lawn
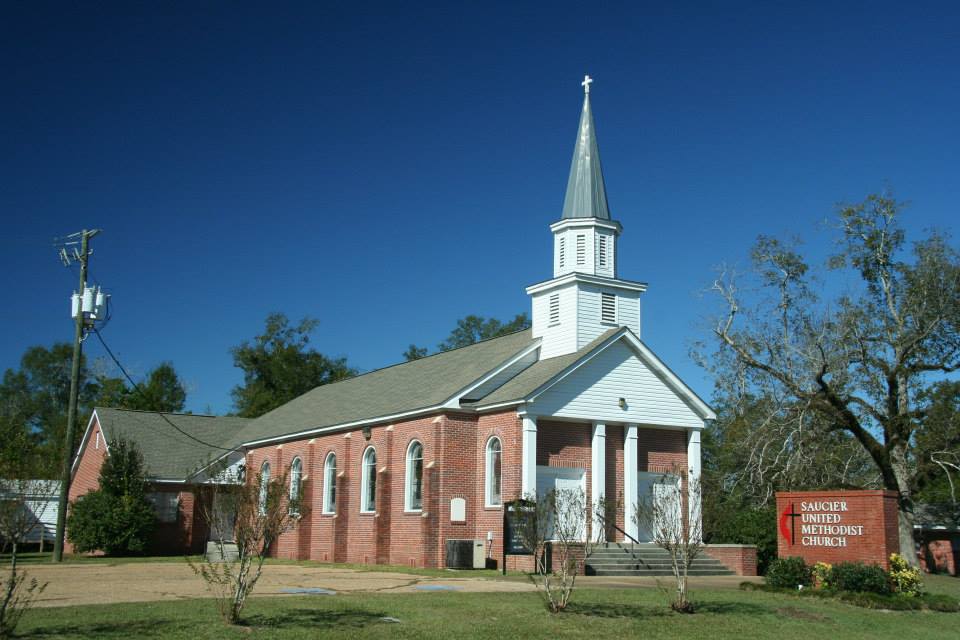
[596, 613]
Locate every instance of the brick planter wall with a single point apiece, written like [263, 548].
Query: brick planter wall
[739, 558]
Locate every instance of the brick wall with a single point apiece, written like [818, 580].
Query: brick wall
[939, 552]
[874, 513]
[739, 558]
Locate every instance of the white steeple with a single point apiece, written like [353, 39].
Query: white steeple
[585, 298]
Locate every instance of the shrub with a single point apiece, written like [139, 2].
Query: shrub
[821, 575]
[117, 518]
[904, 579]
[859, 577]
[789, 573]
[731, 523]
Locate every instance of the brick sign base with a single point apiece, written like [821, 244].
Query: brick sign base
[838, 526]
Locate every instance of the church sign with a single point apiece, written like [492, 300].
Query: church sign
[838, 526]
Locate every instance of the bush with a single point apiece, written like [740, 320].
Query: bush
[859, 577]
[737, 524]
[904, 579]
[821, 575]
[789, 573]
[117, 518]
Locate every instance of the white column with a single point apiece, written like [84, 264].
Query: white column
[693, 482]
[630, 481]
[598, 477]
[528, 468]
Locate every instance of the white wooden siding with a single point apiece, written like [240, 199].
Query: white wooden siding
[592, 392]
[589, 323]
[609, 267]
[562, 337]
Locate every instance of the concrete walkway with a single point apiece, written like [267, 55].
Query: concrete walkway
[96, 583]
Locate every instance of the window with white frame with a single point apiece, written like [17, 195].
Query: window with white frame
[368, 481]
[581, 250]
[296, 479]
[562, 250]
[166, 504]
[602, 252]
[330, 483]
[264, 486]
[414, 485]
[554, 308]
[494, 496]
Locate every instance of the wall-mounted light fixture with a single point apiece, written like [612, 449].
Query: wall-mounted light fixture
[367, 432]
[623, 403]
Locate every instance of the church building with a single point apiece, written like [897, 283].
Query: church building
[395, 462]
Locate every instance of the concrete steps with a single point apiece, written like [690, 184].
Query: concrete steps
[618, 559]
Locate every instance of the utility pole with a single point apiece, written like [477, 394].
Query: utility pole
[82, 257]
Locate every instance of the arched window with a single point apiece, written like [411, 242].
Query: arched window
[493, 463]
[296, 477]
[264, 485]
[330, 483]
[414, 484]
[368, 481]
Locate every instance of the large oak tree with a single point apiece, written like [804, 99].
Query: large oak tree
[855, 353]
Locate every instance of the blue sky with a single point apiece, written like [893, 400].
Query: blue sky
[390, 168]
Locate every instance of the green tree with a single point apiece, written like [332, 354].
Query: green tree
[34, 398]
[937, 455]
[278, 366]
[853, 363]
[470, 330]
[161, 391]
[117, 518]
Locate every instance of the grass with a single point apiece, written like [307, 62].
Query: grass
[594, 613]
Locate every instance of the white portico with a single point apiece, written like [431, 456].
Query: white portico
[598, 408]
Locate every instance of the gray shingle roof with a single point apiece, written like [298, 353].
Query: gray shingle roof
[537, 375]
[169, 454]
[402, 388]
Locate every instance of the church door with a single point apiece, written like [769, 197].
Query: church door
[570, 486]
[660, 505]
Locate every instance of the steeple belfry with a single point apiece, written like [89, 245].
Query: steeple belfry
[585, 298]
[586, 194]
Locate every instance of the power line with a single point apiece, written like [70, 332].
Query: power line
[140, 390]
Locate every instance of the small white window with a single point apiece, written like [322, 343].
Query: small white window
[608, 308]
[264, 486]
[414, 485]
[581, 250]
[166, 504]
[330, 483]
[493, 464]
[296, 479]
[97, 442]
[554, 309]
[562, 250]
[368, 482]
[602, 252]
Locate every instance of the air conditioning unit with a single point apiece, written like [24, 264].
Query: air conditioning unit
[466, 554]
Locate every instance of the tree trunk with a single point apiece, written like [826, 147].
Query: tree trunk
[901, 470]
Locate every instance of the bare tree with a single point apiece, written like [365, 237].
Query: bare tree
[554, 528]
[674, 527]
[22, 505]
[859, 361]
[252, 515]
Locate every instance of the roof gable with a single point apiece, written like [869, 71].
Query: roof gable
[591, 382]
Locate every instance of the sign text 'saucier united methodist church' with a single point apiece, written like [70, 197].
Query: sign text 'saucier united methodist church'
[838, 526]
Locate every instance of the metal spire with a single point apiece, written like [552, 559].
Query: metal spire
[586, 194]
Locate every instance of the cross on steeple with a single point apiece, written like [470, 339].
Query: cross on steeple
[586, 83]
